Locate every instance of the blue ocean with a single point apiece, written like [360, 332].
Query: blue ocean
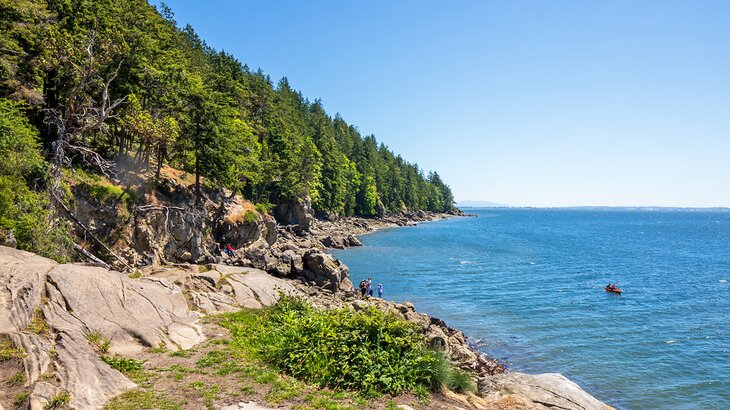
[527, 286]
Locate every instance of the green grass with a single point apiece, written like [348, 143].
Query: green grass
[178, 372]
[58, 401]
[283, 389]
[370, 351]
[18, 379]
[100, 343]
[38, 324]
[210, 393]
[460, 381]
[133, 369]
[212, 358]
[8, 350]
[139, 399]
[20, 398]
[181, 353]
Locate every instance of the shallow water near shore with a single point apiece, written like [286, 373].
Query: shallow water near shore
[527, 286]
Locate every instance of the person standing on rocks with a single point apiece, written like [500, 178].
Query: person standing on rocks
[380, 290]
[370, 286]
[363, 288]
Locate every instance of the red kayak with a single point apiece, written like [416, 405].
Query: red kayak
[613, 289]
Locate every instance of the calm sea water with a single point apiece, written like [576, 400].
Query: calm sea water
[527, 286]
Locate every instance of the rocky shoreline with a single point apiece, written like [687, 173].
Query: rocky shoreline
[175, 273]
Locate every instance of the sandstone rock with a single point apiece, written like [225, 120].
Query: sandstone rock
[542, 391]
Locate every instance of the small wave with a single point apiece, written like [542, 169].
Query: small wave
[723, 280]
[466, 262]
[671, 341]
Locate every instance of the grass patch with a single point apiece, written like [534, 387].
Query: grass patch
[133, 369]
[58, 401]
[158, 349]
[8, 350]
[178, 372]
[123, 364]
[100, 343]
[459, 381]
[38, 324]
[283, 389]
[370, 351]
[212, 358]
[143, 399]
[181, 353]
[210, 394]
[18, 379]
[20, 399]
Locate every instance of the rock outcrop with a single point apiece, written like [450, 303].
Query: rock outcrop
[541, 391]
[60, 315]
[326, 271]
[53, 311]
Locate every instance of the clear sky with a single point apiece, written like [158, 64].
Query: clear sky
[536, 103]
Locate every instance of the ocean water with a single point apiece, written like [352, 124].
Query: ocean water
[526, 285]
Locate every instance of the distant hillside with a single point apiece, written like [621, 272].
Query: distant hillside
[479, 204]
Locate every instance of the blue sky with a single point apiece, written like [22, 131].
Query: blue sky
[537, 103]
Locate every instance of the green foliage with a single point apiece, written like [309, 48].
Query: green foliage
[20, 398]
[249, 216]
[98, 341]
[38, 324]
[460, 381]
[180, 102]
[123, 364]
[58, 401]
[24, 212]
[369, 351]
[8, 350]
[17, 379]
[138, 399]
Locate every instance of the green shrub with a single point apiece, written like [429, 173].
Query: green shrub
[264, 207]
[370, 351]
[249, 216]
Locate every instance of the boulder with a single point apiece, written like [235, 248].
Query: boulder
[541, 391]
[326, 271]
[297, 212]
[353, 241]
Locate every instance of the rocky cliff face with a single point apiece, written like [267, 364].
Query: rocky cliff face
[166, 225]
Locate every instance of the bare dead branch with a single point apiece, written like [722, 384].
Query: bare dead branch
[87, 230]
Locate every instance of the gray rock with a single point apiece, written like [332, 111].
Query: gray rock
[353, 241]
[74, 300]
[326, 271]
[7, 239]
[543, 391]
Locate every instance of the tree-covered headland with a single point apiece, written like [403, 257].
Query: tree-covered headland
[117, 86]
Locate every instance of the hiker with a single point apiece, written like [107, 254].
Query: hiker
[363, 288]
[370, 286]
[229, 250]
[380, 290]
